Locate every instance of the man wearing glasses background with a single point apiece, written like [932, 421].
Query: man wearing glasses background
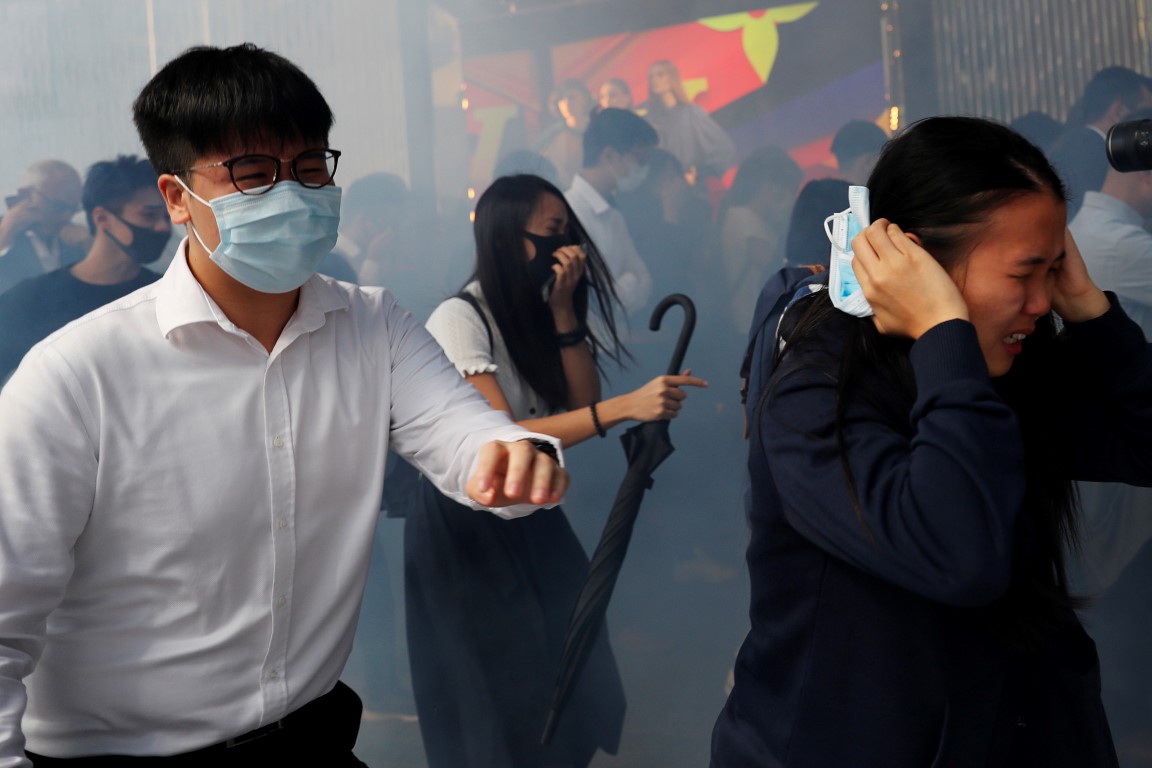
[36, 234]
[190, 477]
[130, 228]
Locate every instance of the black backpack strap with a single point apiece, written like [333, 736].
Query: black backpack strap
[779, 293]
[483, 317]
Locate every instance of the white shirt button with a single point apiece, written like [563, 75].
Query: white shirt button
[273, 675]
[280, 603]
[278, 441]
[283, 523]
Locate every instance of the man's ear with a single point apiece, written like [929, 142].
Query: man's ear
[915, 238]
[608, 156]
[1116, 112]
[175, 198]
[100, 216]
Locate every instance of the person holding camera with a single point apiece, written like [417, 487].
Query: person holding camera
[35, 236]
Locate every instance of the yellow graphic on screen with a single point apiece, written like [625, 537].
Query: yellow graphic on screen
[761, 37]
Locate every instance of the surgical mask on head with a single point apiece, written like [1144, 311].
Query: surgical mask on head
[843, 287]
[273, 242]
[147, 244]
[540, 266]
[632, 180]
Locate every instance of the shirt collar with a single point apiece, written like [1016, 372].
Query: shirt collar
[181, 301]
[1113, 206]
[583, 190]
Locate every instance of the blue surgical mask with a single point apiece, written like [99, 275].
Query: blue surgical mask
[273, 242]
[843, 287]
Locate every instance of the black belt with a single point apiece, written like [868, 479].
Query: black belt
[318, 709]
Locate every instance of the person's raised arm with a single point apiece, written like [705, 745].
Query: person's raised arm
[661, 398]
[575, 355]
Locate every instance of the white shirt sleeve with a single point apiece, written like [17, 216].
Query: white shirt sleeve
[439, 421]
[45, 500]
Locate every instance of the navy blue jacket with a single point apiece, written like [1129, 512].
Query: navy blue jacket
[876, 652]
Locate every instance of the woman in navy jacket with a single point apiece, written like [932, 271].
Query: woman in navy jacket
[911, 480]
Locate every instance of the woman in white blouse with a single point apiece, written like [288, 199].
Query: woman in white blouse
[489, 604]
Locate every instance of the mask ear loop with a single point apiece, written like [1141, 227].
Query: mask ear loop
[192, 226]
[828, 229]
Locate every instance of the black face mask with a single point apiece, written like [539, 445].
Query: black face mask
[540, 267]
[147, 244]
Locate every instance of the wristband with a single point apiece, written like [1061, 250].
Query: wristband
[572, 338]
[596, 421]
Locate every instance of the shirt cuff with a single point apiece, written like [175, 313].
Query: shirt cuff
[519, 510]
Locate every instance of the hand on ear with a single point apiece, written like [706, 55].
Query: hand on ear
[908, 289]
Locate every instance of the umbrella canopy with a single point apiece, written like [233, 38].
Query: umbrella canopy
[646, 445]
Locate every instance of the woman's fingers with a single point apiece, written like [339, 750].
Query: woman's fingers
[908, 290]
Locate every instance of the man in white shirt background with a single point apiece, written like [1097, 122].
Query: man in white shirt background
[1114, 562]
[190, 477]
[616, 146]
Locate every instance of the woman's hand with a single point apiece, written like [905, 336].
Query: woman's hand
[661, 398]
[908, 289]
[1074, 296]
[568, 273]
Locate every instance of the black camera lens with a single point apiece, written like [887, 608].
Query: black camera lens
[1130, 146]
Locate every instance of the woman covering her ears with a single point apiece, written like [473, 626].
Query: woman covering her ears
[911, 475]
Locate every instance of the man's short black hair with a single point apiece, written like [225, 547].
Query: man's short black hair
[855, 139]
[1110, 85]
[620, 129]
[224, 100]
[112, 184]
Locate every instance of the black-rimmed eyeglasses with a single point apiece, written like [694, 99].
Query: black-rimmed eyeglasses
[256, 174]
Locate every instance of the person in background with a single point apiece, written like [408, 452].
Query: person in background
[615, 93]
[36, 234]
[1114, 563]
[526, 161]
[1039, 128]
[190, 477]
[856, 147]
[670, 224]
[753, 223]
[616, 147]
[130, 228]
[563, 144]
[911, 495]
[807, 241]
[489, 604]
[372, 207]
[1079, 154]
[685, 129]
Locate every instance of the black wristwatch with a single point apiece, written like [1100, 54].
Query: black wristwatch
[545, 447]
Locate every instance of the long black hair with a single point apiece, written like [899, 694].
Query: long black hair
[524, 320]
[941, 180]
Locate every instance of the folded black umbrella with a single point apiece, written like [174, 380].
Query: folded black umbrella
[646, 445]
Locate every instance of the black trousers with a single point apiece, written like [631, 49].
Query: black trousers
[322, 732]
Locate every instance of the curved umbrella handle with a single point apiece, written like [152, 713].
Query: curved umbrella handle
[685, 331]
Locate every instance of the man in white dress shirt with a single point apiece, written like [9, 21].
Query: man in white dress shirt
[616, 146]
[190, 477]
[1114, 562]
